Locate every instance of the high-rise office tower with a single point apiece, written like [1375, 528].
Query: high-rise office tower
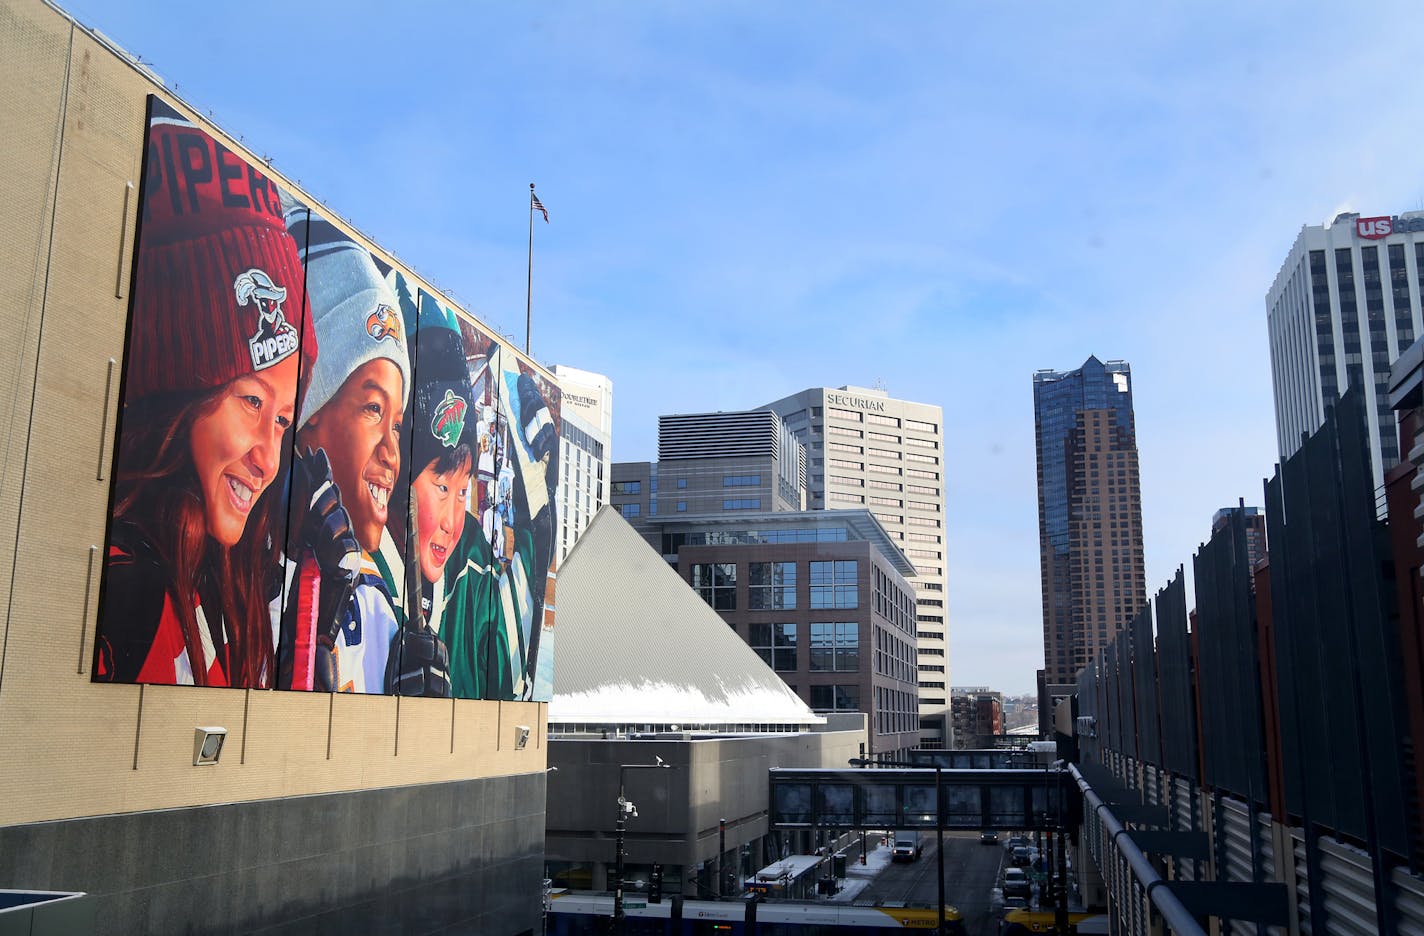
[870, 450]
[713, 462]
[1089, 517]
[1345, 304]
[585, 450]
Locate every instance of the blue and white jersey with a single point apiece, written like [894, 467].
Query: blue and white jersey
[368, 628]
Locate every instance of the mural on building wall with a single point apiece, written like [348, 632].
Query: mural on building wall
[325, 478]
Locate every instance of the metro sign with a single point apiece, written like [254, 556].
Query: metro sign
[1383, 226]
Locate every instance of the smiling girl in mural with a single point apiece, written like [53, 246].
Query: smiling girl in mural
[218, 337]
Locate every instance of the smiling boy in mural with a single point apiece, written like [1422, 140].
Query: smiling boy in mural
[440, 444]
[353, 415]
[479, 602]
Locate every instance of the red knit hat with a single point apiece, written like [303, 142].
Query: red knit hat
[219, 290]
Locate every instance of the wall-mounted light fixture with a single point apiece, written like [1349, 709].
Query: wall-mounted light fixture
[208, 745]
[521, 736]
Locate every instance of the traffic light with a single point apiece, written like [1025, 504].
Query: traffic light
[655, 885]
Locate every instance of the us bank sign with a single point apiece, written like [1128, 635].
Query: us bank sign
[1383, 226]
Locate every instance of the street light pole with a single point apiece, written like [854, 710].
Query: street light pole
[939, 845]
[625, 809]
[618, 856]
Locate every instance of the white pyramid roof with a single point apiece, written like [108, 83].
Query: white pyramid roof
[636, 645]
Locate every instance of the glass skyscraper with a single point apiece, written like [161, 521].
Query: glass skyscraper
[1089, 517]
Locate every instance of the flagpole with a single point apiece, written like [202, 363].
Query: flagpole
[529, 288]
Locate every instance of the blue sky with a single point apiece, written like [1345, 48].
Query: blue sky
[748, 199]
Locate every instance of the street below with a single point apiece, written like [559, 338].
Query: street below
[971, 872]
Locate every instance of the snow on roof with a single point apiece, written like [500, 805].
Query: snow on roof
[636, 644]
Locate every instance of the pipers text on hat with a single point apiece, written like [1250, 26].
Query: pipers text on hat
[218, 288]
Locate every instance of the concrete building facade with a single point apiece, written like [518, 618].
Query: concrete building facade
[1346, 303]
[978, 714]
[713, 463]
[823, 598]
[586, 449]
[634, 686]
[325, 811]
[868, 449]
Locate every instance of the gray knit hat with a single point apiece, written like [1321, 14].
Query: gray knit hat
[356, 314]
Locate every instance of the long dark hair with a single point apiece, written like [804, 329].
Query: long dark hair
[157, 491]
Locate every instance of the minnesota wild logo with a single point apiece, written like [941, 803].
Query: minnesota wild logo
[449, 420]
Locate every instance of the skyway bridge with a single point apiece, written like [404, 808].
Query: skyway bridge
[990, 794]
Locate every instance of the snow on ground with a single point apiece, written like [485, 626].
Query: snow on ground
[858, 876]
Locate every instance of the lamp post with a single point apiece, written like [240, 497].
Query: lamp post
[1060, 889]
[625, 809]
[939, 823]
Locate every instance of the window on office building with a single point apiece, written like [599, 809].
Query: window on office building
[835, 647]
[627, 487]
[631, 510]
[771, 586]
[716, 582]
[833, 584]
[835, 698]
[776, 644]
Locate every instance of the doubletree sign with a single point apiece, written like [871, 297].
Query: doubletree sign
[1383, 226]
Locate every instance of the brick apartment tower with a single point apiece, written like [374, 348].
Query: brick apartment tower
[1089, 518]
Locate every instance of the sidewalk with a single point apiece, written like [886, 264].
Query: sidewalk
[858, 876]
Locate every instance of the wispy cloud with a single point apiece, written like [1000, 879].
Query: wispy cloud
[750, 199]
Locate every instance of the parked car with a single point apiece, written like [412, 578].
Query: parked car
[1021, 857]
[988, 837]
[1016, 884]
[1015, 841]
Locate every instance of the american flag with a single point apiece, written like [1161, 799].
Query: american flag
[534, 202]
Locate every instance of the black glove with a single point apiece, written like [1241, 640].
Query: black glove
[419, 664]
[325, 526]
[322, 533]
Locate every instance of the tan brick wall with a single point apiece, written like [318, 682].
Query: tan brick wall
[72, 112]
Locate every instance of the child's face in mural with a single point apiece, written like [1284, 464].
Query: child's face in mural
[237, 445]
[359, 429]
[442, 502]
